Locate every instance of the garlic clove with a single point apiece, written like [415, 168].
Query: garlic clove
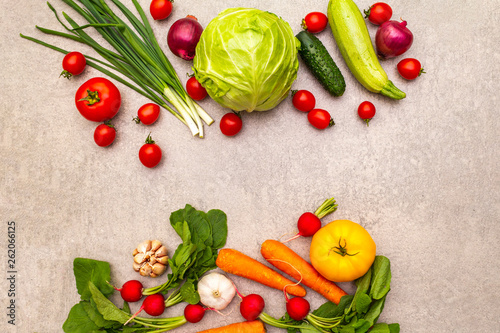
[145, 270]
[144, 246]
[155, 245]
[159, 269]
[161, 252]
[162, 260]
[140, 258]
[136, 266]
[135, 252]
[152, 260]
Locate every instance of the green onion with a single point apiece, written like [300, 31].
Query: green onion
[136, 59]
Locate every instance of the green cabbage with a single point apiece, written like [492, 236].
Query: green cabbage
[247, 59]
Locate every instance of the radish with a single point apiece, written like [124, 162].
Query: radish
[131, 291]
[194, 312]
[154, 305]
[297, 308]
[251, 306]
[309, 223]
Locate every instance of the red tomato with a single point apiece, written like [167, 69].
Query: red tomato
[378, 13]
[150, 153]
[98, 99]
[320, 118]
[315, 22]
[104, 134]
[410, 68]
[160, 9]
[195, 90]
[230, 124]
[73, 64]
[303, 100]
[148, 114]
[366, 111]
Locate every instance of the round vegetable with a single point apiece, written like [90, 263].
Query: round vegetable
[73, 64]
[392, 39]
[315, 22]
[195, 90]
[248, 59]
[216, 291]
[252, 306]
[410, 68]
[148, 114]
[342, 251]
[379, 13]
[303, 100]
[104, 134]
[297, 308]
[320, 118]
[194, 313]
[150, 153]
[366, 111]
[153, 305]
[183, 36]
[230, 124]
[98, 99]
[160, 9]
[131, 291]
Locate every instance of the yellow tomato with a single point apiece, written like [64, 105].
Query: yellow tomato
[342, 251]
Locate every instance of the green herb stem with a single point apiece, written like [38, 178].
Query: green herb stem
[327, 207]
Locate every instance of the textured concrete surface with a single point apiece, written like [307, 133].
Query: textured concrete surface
[422, 178]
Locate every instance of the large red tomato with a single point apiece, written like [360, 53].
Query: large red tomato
[98, 99]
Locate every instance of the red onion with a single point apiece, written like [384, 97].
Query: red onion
[392, 39]
[183, 36]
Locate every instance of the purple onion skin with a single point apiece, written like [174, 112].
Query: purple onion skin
[393, 38]
[183, 36]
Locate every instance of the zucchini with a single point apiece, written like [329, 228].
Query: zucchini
[321, 64]
[351, 35]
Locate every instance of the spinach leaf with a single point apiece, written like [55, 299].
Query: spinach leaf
[78, 320]
[218, 220]
[98, 272]
[189, 293]
[381, 277]
[108, 310]
[380, 328]
[375, 310]
[332, 310]
[394, 328]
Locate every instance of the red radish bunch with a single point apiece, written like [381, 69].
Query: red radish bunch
[194, 312]
[153, 305]
[251, 306]
[297, 308]
[131, 291]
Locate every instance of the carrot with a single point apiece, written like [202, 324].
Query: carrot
[255, 326]
[237, 263]
[289, 262]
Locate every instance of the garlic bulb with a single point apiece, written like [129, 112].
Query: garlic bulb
[150, 258]
[216, 291]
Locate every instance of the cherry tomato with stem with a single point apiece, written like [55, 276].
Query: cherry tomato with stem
[73, 64]
[315, 22]
[98, 99]
[320, 118]
[410, 68]
[150, 153]
[195, 90]
[147, 114]
[160, 9]
[366, 111]
[231, 124]
[303, 100]
[379, 13]
[104, 134]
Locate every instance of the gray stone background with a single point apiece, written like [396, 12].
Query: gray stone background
[422, 178]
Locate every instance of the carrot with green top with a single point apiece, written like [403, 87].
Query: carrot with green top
[234, 262]
[255, 326]
[289, 262]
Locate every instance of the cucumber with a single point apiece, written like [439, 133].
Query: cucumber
[321, 64]
[352, 38]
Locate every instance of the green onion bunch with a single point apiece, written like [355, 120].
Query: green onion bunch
[136, 59]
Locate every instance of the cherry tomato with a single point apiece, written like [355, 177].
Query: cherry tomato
[160, 9]
[150, 153]
[410, 68]
[148, 114]
[73, 64]
[195, 90]
[230, 124]
[320, 118]
[98, 99]
[315, 22]
[379, 13]
[104, 134]
[303, 100]
[366, 111]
